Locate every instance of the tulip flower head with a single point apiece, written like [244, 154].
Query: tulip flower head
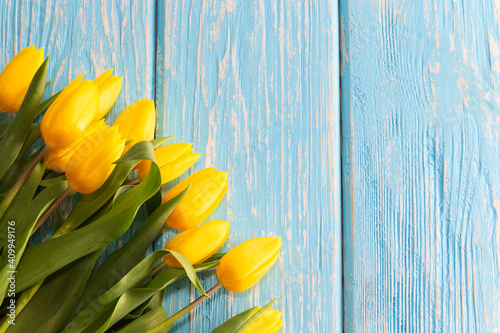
[92, 162]
[109, 88]
[56, 159]
[172, 159]
[137, 122]
[206, 192]
[268, 322]
[16, 77]
[73, 110]
[199, 243]
[244, 265]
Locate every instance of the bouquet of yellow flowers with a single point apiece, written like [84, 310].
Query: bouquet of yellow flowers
[55, 285]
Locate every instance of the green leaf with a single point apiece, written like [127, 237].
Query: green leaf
[123, 260]
[15, 135]
[159, 141]
[48, 310]
[150, 305]
[118, 301]
[46, 104]
[43, 259]
[41, 108]
[58, 219]
[24, 227]
[20, 164]
[155, 202]
[238, 323]
[17, 208]
[89, 204]
[147, 322]
[216, 256]
[51, 181]
[32, 137]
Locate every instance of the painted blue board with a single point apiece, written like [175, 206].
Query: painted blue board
[254, 84]
[421, 125]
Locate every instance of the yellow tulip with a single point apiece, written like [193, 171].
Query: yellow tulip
[173, 160]
[206, 192]
[16, 77]
[199, 243]
[244, 265]
[267, 322]
[56, 159]
[73, 110]
[92, 162]
[109, 88]
[137, 122]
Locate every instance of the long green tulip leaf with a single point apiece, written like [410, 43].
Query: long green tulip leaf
[123, 260]
[43, 259]
[238, 323]
[146, 322]
[51, 181]
[17, 208]
[118, 301]
[18, 166]
[24, 228]
[149, 305]
[159, 141]
[47, 103]
[15, 135]
[48, 310]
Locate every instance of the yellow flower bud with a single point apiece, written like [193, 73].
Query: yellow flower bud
[73, 110]
[137, 122]
[206, 192]
[92, 161]
[16, 78]
[267, 322]
[199, 243]
[244, 265]
[56, 159]
[109, 88]
[173, 160]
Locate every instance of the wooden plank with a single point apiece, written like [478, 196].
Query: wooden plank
[90, 37]
[255, 86]
[421, 197]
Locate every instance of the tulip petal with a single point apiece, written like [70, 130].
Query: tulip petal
[199, 243]
[17, 76]
[244, 265]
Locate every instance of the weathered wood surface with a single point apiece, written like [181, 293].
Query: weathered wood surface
[255, 86]
[421, 125]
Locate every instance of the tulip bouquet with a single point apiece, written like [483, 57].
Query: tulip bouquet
[113, 170]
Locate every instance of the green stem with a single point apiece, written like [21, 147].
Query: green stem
[20, 181]
[51, 209]
[191, 306]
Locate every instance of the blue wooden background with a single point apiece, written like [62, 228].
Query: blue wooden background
[255, 86]
[421, 165]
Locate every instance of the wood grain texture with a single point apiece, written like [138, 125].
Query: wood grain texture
[421, 125]
[254, 84]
